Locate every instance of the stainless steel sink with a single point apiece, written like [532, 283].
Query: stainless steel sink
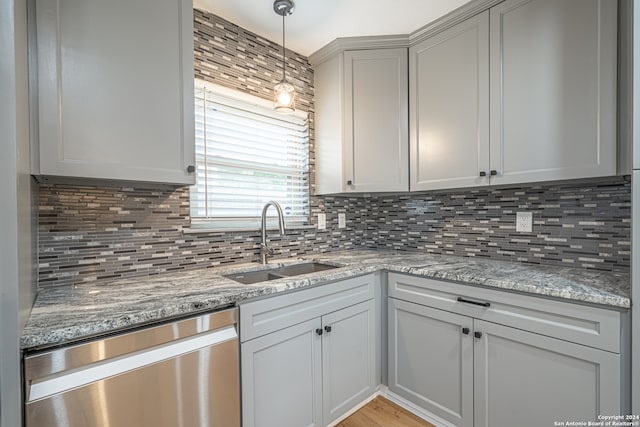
[306, 268]
[254, 276]
[279, 273]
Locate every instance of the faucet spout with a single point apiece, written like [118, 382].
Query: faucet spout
[264, 249]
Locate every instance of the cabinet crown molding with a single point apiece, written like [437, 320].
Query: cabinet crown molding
[342, 44]
[400, 40]
[452, 18]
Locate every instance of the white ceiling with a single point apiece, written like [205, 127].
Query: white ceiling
[315, 23]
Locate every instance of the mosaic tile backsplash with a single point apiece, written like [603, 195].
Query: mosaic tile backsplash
[95, 233]
[575, 225]
[231, 56]
[91, 233]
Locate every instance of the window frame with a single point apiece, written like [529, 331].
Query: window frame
[242, 99]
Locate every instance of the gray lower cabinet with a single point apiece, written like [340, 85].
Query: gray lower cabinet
[468, 371]
[282, 378]
[431, 361]
[529, 380]
[348, 359]
[313, 372]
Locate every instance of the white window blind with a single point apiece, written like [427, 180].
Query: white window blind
[246, 155]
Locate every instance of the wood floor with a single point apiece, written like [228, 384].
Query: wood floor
[380, 412]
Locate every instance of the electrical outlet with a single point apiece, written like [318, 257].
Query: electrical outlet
[342, 220]
[524, 222]
[322, 221]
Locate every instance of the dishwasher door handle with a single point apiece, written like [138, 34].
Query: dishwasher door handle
[59, 383]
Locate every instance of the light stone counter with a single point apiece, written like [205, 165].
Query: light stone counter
[66, 314]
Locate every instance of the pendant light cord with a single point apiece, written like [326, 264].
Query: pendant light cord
[283, 48]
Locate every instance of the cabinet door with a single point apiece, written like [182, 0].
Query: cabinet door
[431, 360]
[348, 359]
[530, 380]
[328, 93]
[115, 90]
[281, 378]
[375, 147]
[553, 89]
[449, 107]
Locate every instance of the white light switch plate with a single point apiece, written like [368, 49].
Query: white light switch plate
[524, 222]
[322, 221]
[342, 220]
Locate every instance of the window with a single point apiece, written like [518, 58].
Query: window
[246, 155]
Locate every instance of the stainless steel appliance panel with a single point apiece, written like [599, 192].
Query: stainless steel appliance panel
[189, 381]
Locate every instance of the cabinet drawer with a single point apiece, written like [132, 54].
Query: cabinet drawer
[271, 314]
[591, 326]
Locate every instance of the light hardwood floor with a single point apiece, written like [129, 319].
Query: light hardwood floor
[380, 412]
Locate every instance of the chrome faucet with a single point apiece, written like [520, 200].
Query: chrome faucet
[264, 249]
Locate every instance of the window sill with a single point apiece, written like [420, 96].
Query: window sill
[209, 230]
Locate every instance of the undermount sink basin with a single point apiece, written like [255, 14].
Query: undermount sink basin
[305, 268]
[278, 273]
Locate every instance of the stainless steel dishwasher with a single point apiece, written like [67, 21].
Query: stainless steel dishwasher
[181, 374]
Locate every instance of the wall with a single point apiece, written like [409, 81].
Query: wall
[575, 224]
[89, 232]
[16, 213]
[97, 233]
[635, 271]
[231, 56]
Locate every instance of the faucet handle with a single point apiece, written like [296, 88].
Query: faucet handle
[266, 249]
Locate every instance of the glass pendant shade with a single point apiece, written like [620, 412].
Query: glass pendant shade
[284, 100]
[284, 95]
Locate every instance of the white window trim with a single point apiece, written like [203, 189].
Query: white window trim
[245, 98]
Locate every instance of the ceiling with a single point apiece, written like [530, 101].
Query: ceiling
[315, 23]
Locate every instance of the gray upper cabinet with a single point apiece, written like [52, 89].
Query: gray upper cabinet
[362, 122]
[553, 89]
[115, 90]
[449, 107]
[523, 92]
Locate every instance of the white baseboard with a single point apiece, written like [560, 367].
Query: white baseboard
[400, 401]
[413, 408]
[355, 409]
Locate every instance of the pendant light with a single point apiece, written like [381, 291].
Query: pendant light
[284, 93]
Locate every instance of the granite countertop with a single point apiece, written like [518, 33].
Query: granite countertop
[66, 314]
